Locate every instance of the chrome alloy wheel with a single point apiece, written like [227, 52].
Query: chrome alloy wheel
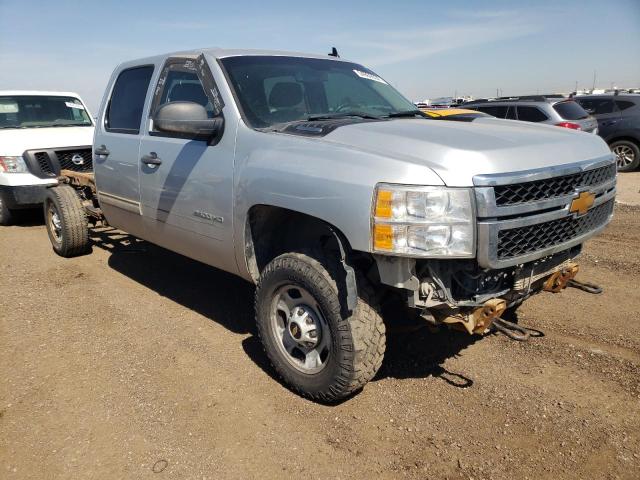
[300, 330]
[624, 155]
[55, 225]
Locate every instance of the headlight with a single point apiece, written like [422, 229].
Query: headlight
[423, 221]
[12, 165]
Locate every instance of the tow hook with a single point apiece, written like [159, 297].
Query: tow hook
[566, 278]
[559, 280]
[478, 320]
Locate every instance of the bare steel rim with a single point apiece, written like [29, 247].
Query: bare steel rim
[300, 330]
[53, 219]
[624, 155]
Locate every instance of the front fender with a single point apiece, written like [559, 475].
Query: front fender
[316, 177]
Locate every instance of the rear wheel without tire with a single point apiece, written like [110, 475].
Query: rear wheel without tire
[6, 216]
[316, 351]
[66, 221]
[627, 155]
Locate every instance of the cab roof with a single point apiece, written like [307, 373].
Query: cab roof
[225, 53]
[38, 93]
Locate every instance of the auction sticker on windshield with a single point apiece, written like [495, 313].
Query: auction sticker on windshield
[8, 107]
[74, 105]
[369, 76]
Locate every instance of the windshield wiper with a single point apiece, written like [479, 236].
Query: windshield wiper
[69, 125]
[333, 116]
[408, 113]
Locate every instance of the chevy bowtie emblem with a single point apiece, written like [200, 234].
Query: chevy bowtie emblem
[582, 203]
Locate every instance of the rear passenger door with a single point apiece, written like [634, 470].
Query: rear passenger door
[186, 199]
[116, 147]
[605, 112]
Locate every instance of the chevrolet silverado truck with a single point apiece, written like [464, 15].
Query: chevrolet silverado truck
[313, 178]
[41, 133]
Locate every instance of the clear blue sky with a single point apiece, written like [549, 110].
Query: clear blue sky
[424, 48]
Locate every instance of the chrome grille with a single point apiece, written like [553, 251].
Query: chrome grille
[521, 241]
[524, 216]
[551, 187]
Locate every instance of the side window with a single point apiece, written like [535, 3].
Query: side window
[597, 106]
[623, 104]
[180, 82]
[184, 86]
[124, 112]
[531, 114]
[511, 113]
[499, 111]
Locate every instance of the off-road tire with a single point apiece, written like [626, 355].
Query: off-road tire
[6, 216]
[358, 341]
[73, 238]
[633, 147]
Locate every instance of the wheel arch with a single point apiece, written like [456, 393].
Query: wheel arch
[625, 137]
[271, 230]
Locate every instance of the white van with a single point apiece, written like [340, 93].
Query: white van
[41, 134]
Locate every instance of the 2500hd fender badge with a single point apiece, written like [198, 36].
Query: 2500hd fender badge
[208, 216]
[582, 203]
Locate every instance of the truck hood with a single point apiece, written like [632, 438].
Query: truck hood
[456, 151]
[14, 142]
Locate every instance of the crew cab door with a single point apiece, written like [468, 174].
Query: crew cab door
[606, 114]
[186, 182]
[116, 147]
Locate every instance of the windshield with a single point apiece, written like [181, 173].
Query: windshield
[39, 111]
[570, 110]
[274, 90]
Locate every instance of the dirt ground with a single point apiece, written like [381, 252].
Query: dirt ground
[134, 363]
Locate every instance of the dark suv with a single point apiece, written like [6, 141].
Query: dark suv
[619, 124]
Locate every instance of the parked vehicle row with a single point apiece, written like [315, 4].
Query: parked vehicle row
[615, 117]
[315, 179]
[551, 110]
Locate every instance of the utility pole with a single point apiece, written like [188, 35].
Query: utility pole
[576, 90]
[594, 81]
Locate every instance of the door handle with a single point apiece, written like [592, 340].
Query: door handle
[101, 151]
[151, 159]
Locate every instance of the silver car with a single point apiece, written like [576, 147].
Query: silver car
[315, 179]
[551, 109]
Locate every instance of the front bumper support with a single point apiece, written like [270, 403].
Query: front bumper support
[23, 196]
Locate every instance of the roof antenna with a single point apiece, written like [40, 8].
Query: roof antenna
[334, 52]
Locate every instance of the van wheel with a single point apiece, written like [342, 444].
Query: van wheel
[6, 216]
[66, 221]
[316, 351]
[627, 155]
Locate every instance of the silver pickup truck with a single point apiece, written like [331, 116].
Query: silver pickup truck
[313, 178]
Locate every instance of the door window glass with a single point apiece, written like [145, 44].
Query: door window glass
[499, 111]
[597, 106]
[531, 114]
[623, 104]
[124, 112]
[183, 85]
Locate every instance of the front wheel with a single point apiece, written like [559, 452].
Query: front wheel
[627, 155]
[315, 350]
[66, 221]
